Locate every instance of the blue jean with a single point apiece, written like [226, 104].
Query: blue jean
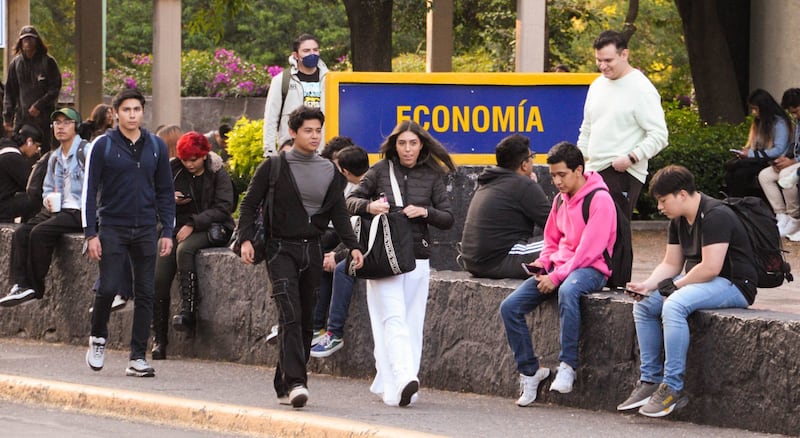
[335, 291]
[650, 313]
[527, 297]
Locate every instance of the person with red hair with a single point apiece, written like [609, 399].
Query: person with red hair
[203, 197]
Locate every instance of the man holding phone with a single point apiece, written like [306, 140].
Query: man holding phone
[570, 265]
[708, 239]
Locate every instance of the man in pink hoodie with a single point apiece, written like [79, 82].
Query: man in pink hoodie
[571, 264]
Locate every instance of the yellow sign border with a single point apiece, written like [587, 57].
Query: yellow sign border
[334, 79]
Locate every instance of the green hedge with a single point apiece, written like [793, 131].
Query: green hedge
[700, 147]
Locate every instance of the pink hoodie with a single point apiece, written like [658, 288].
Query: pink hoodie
[565, 247]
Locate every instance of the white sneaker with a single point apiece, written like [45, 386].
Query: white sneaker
[298, 396]
[782, 219]
[564, 379]
[119, 303]
[96, 355]
[792, 226]
[794, 237]
[529, 386]
[139, 368]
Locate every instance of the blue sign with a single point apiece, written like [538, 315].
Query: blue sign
[468, 118]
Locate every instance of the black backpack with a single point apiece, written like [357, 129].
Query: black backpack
[620, 262]
[761, 226]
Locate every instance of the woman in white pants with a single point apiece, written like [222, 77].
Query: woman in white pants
[397, 304]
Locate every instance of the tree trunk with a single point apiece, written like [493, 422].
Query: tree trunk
[717, 35]
[370, 34]
[629, 27]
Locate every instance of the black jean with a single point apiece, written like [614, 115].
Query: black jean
[33, 244]
[119, 243]
[624, 189]
[295, 268]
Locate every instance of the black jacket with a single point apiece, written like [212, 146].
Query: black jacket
[31, 82]
[289, 217]
[216, 201]
[503, 212]
[421, 185]
[14, 170]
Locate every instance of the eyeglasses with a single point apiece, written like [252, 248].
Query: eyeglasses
[532, 156]
[62, 122]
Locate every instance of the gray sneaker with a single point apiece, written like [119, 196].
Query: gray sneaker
[639, 396]
[663, 402]
[139, 368]
[96, 355]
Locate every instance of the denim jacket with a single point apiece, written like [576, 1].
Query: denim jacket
[65, 175]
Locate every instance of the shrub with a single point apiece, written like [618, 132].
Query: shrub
[701, 148]
[136, 75]
[245, 150]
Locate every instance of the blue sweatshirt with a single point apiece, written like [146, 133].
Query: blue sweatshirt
[132, 191]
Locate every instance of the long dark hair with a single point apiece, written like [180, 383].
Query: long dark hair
[41, 47]
[762, 131]
[433, 154]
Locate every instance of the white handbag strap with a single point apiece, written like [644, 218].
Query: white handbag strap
[398, 197]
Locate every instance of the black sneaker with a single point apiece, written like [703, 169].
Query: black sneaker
[139, 368]
[663, 402]
[639, 396]
[18, 296]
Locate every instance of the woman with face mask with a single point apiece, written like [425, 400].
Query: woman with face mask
[303, 83]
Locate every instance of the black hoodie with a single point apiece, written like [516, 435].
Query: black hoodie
[502, 213]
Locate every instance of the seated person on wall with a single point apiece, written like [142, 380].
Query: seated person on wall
[329, 242]
[707, 240]
[768, 140]
[16, 159]
[353, 163]
[219, 140]
[779, 179]
[571, 264]
[203, 195]
[34, 241]
[499, 229]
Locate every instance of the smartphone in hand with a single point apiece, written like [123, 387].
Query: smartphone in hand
[633, 292]
[184, 196]
[736, 152]
[533, 270]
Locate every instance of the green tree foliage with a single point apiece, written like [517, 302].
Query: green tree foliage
[701, 148]
[657, 47]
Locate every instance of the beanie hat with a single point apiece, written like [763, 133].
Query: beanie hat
[192, 144]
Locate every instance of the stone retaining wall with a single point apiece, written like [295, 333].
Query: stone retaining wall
[744, 370]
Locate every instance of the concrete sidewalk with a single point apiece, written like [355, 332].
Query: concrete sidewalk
[237, 398]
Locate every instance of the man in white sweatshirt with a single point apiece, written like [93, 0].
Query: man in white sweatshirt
[623, 122]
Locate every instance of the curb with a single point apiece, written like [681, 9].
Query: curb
[182, 412]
